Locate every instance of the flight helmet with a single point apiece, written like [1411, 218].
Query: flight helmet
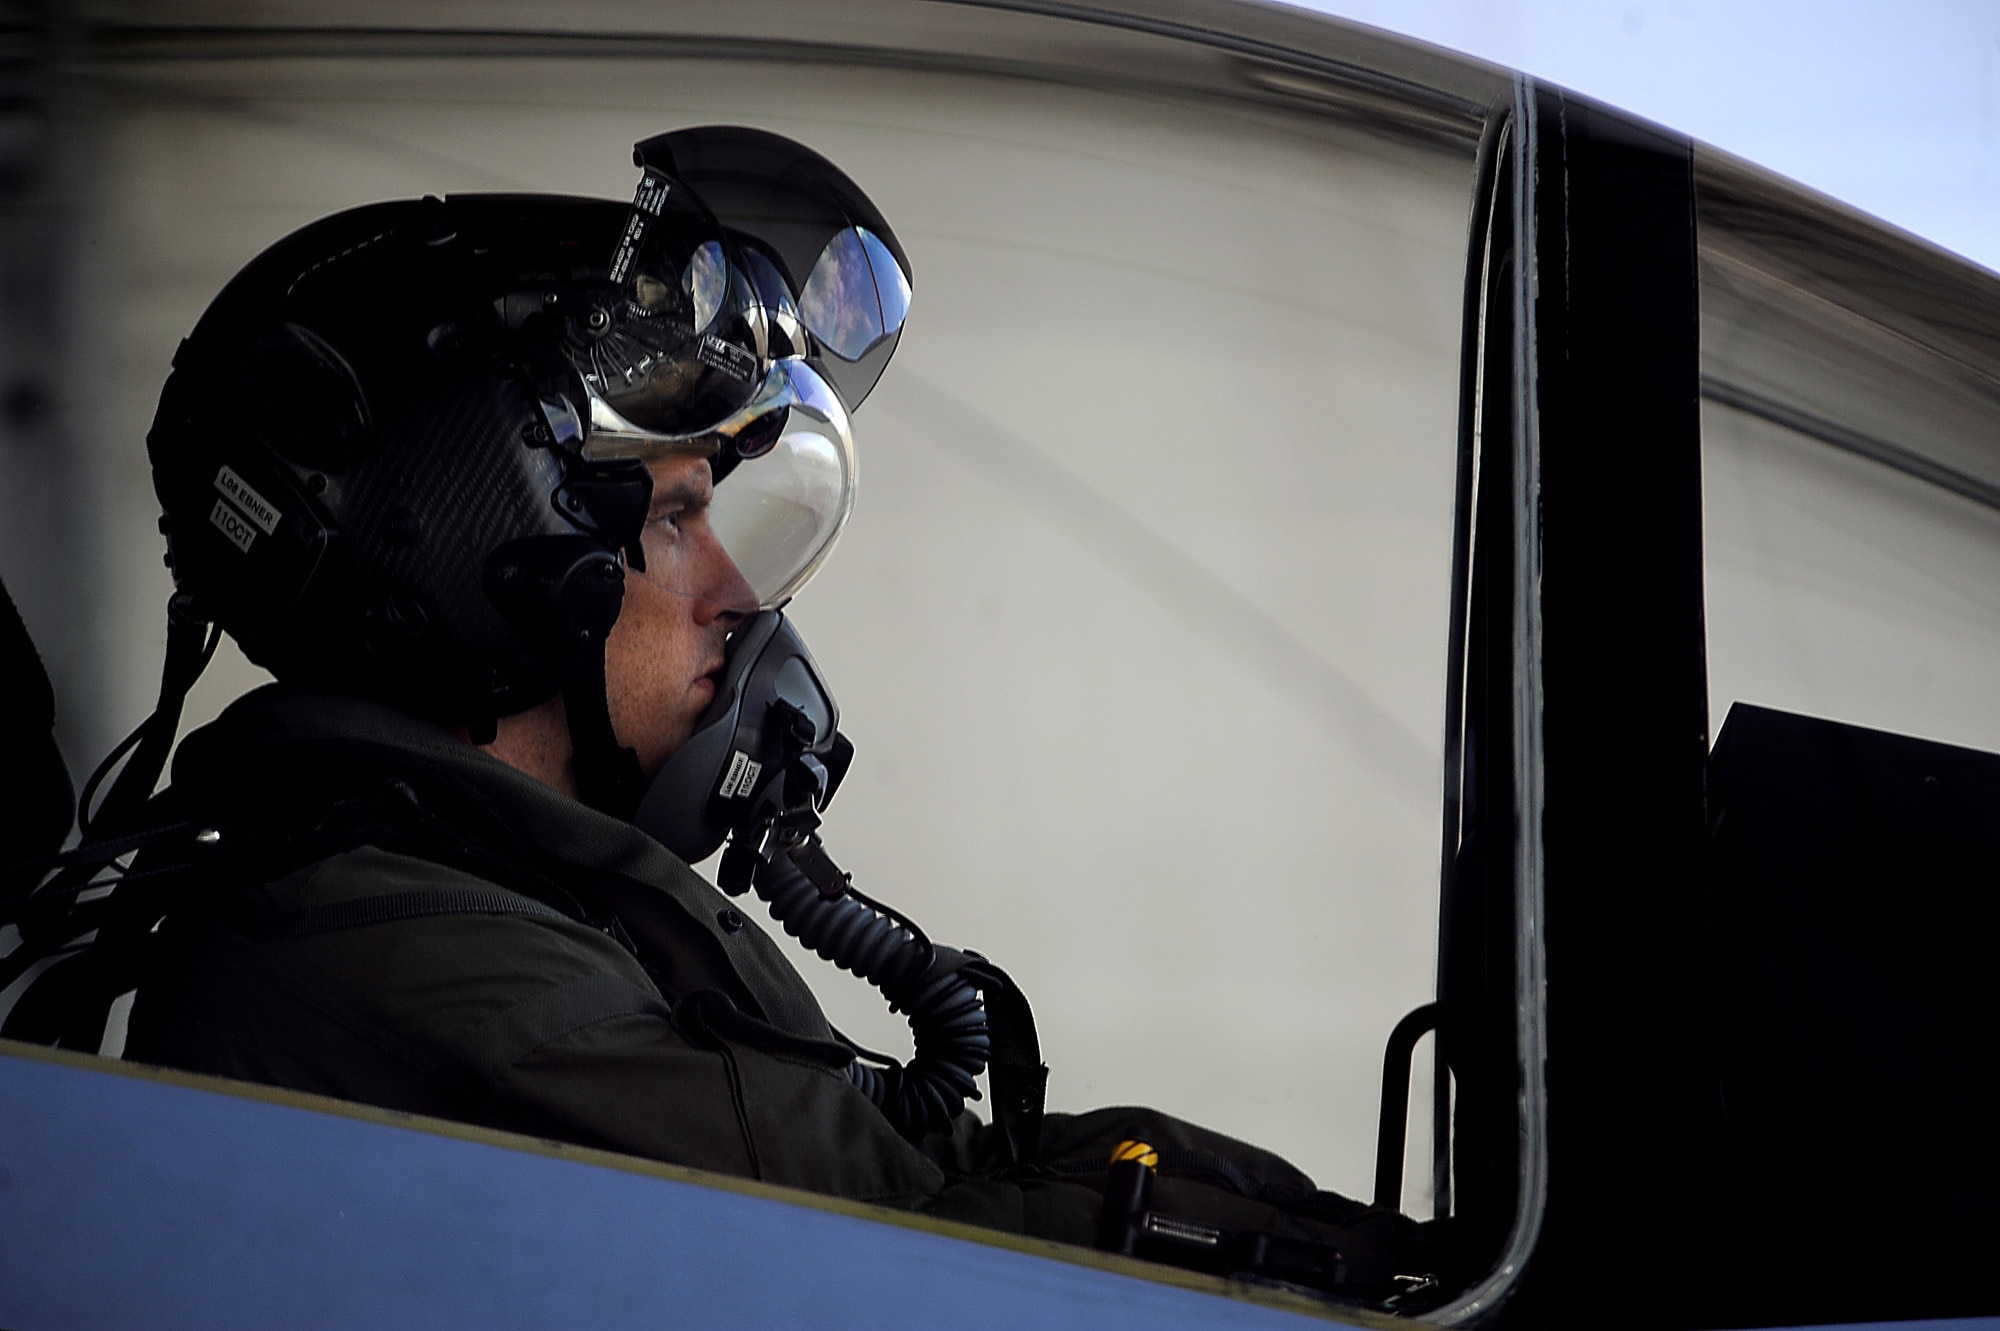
[402, 454]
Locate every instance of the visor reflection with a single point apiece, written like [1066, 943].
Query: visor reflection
[779, 514]
[705, 280]
[856, 294]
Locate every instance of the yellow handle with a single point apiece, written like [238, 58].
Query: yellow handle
[1136, 1150]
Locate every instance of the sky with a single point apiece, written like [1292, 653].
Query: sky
[1892, 106]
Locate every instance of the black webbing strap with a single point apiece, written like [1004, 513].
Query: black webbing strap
[1016, 1073]
[608, 776]
[91, 855]
[190, 645]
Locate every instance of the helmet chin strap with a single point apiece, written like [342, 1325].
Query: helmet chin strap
[565, 592]
[607, 773]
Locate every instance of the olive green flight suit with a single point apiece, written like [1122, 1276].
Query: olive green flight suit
[679, 1032]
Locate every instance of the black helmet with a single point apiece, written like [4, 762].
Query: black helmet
[402, 451]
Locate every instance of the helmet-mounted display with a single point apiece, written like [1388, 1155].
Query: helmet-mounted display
[403, 453]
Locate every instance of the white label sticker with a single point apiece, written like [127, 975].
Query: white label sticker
[741, 778]
[737, 762]
[232, 524]
[238, 492]
[646, 205]
[727, 357]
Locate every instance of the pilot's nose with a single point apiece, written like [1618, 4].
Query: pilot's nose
[724, 592]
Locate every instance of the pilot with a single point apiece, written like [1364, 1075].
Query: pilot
[495, 487]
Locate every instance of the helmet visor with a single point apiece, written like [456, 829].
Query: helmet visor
[827, 240]
[784, 506]
[789, 459]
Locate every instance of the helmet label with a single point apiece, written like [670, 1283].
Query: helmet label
[646, 205]
[238, 492]
[741, 778]
[727, 357]
[232, 525]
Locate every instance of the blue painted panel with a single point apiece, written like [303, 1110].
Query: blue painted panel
[132, 1202]
[1930, 1324]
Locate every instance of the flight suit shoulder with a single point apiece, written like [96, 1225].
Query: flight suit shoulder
[430, 948]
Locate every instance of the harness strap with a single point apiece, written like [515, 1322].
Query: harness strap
[191, 642]
[608, 777]
[93, 854]
[1016, 1073]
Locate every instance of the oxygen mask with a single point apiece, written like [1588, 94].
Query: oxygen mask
[765, 758]
[762, 764]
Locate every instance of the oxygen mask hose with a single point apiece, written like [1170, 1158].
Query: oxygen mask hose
[946, 1014]
[761, 766]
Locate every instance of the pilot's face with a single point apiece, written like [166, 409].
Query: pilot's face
[664, 653]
